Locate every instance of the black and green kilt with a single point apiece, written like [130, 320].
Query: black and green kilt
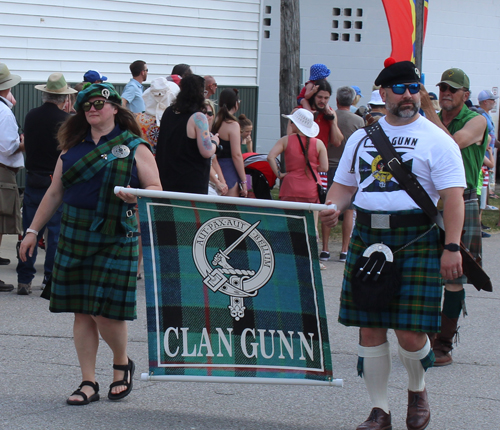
[94, 274]
[418, 306]
[472, 235]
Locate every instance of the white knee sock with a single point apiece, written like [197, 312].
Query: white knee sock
[376, 370]
[416, 372]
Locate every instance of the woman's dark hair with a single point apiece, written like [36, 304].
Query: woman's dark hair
[227, 101]
[76, 127]
[244, 121]
[182, 70]
[190, 98]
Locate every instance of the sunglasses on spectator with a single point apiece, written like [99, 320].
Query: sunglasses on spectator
[446, 87]
[209, 113]
[401, 88]
[98, 105]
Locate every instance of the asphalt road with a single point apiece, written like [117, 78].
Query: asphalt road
[39, 369]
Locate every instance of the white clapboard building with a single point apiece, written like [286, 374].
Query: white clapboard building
[237, 41]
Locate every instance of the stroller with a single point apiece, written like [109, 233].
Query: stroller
[263, 177]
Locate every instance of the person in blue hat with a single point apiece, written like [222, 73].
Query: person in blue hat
[354, 106]
[94, 77]
[317, 73]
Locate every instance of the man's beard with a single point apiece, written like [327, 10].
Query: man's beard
[396, 109]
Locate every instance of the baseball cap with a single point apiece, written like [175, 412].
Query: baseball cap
[455, 78]
[486, 95]
[358, 90]
[93, 75]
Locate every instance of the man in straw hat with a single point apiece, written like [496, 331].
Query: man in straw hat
[41, 146]
[11, 160]
[406, 296]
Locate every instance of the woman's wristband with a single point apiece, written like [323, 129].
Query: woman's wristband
[30, 230]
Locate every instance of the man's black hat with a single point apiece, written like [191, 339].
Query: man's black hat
[397, 73]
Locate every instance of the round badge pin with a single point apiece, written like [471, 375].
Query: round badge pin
[120, 151]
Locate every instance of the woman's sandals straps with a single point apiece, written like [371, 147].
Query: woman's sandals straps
[128, 369]
[85, 400]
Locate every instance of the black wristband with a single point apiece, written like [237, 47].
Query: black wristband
[452, 247]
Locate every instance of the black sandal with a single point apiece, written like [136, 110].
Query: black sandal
[85, 400]
[127, 369]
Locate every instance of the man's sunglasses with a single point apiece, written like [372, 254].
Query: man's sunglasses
[401, 88]
[98, 105]
[446, 87]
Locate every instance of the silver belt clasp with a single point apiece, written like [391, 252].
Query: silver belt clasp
[380, 221]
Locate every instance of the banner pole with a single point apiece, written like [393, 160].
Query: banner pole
[278, 204]
[242, 380]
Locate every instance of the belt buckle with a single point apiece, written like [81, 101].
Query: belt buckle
[380, 221]
[129, 234]
[129, 213]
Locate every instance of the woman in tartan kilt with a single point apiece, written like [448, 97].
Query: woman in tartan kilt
[96, 261]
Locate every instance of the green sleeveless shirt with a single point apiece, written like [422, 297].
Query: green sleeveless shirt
[473, 155]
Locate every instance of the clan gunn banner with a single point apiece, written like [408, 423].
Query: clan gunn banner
[233, 292]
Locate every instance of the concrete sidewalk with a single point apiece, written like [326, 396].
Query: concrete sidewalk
[39, 371]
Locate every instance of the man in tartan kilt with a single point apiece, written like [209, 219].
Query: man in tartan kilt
[469, 130]
[392, 230]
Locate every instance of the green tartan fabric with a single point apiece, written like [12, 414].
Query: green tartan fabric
[471, 237]
[418, 306]
[186, 315]
[428, 360]
[93, 273]
[109, 212]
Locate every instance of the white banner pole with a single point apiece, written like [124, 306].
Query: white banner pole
[278, 204]
[242, 380]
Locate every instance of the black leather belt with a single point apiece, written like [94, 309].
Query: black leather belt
[381, 221]
[470, 195]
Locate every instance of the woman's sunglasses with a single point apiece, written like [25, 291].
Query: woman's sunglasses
[446, 87]
[401, 88]
[98, 105]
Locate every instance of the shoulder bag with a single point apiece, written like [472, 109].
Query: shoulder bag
[321, 190]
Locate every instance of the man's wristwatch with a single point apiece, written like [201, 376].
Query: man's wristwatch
[452, 247]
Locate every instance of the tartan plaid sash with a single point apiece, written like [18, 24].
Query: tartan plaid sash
[110, 209]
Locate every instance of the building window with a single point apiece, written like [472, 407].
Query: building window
[267, 23]
[347, 24]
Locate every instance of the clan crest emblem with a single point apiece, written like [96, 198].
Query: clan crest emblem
[219, 274]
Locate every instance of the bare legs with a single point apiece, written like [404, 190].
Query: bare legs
[86, 332]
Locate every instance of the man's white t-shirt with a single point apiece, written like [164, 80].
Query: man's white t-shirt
[432, 155]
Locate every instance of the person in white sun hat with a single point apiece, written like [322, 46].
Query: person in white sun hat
[302, 149]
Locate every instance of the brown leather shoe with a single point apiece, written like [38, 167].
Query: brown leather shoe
[378, 420]
[442, 358]
[419, 414]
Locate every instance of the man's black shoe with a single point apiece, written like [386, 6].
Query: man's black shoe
[6, 288]
[4, 261]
